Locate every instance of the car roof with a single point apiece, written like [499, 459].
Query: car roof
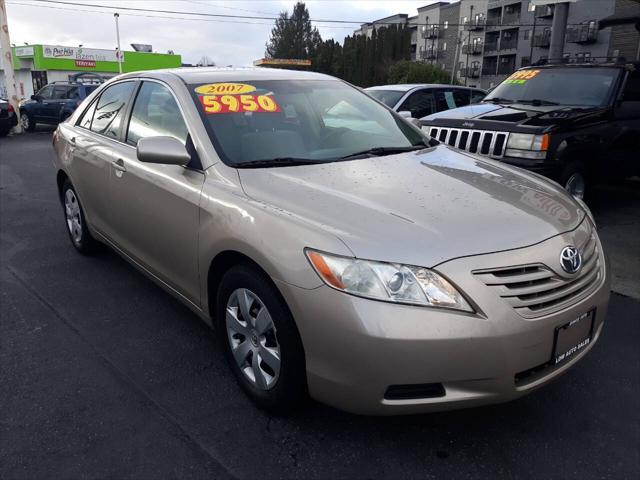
[230, 74]
[405, 87]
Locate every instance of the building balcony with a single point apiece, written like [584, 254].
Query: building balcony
[544, 11]
[472, 49]
[474, 25]
[506, 68]
[511, 18]
[488, 70]
[492, 23]
[470, 72]
[508, 44]
[429, 54]
[583, 34]
[431, 32]
[542, 40]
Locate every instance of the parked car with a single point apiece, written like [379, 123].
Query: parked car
[54, 103]
[8, 117]
[575, 123]
[424, 99]
[352, 260]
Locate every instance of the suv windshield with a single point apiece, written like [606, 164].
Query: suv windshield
[388, 97]
[314, 120]
[560, 86]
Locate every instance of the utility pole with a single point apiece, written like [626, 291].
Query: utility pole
[468, 46]
[116, 16]
[7, 64]
[456, 56]
[558, 29]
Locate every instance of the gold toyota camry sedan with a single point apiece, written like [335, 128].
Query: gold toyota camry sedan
[337, 251]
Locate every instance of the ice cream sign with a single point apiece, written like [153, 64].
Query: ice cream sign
[79, 54]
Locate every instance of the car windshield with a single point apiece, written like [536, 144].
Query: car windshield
[561, 86]
[388, 97]
[314, 120]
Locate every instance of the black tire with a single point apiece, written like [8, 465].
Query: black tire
[290, 388]
[576, 171]
[4, 131]
[80, 237]
[28, 123]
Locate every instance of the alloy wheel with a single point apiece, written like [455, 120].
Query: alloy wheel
[74, 219]
[576, 185]
[252, 337]
[24, 121]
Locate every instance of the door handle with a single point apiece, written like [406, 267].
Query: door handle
[119, 166]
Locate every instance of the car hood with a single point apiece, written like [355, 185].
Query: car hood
[419, 208]
[516, 114]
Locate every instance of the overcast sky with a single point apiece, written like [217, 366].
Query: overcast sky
[221, 40]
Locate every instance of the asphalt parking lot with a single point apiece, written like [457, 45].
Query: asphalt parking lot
[104, 375]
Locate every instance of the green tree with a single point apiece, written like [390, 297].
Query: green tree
[412, 72]
[293, 36]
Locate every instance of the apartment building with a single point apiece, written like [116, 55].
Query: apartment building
[484, 41]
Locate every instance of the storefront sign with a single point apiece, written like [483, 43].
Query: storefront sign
[85, 63]
[79, 53]
[24, 51]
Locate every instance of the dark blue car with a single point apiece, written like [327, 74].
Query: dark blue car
[54, 103]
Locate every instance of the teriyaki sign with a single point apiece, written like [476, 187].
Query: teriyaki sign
[90, 55]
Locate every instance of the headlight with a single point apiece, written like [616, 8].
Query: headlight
[526, 145]
[390, 282]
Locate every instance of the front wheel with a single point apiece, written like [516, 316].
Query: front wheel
[27, 121]
[574, 180]
[75, 220]
[261, 341]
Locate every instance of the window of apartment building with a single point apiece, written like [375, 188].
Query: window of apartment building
[446, 24]
[444, 67]
[525, 61]
[464, 20]
[531, 7]
[444, 46]
[526, 34]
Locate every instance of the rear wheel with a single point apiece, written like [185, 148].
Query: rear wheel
[261, 340]
[75, 221]
[27, 121]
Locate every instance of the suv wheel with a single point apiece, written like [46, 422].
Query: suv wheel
[75, 221]
[574, 180]
[260, 339]
[27, 121]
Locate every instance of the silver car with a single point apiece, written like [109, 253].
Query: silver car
[336, 249]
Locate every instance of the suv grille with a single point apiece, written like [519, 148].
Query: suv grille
[484, 142]
[535, 290]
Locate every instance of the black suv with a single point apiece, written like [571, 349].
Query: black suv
[574, 123]
[55, 102]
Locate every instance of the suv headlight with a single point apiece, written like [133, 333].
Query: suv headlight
[527, 145]
[389, 282]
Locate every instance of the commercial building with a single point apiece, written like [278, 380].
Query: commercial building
[37, 65]
[484, 41]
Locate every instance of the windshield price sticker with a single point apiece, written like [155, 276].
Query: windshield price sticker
[238, 103]
[522, 76]
[222, 88]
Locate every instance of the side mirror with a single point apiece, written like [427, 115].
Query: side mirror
[409, 118]
[36, 97]
[163, 150]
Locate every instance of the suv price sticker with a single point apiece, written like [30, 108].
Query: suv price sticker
[522, 76]
[222, 88]
[213, 104]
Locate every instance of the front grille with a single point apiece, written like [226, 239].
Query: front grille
[534, 290]
[484, 142]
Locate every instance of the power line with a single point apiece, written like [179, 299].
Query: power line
[250, 17]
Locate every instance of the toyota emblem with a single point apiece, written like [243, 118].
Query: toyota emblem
[570, 259]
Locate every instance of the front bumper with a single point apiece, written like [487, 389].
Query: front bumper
[357, 348]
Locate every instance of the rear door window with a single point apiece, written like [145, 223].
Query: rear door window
[155, 113]
[87, 116]
[452, 98]
[110, 109]
[46, 92]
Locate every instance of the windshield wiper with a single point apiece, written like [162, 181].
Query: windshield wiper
[279, 162]
[536, 102]
[381, 151]
[497, 100]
